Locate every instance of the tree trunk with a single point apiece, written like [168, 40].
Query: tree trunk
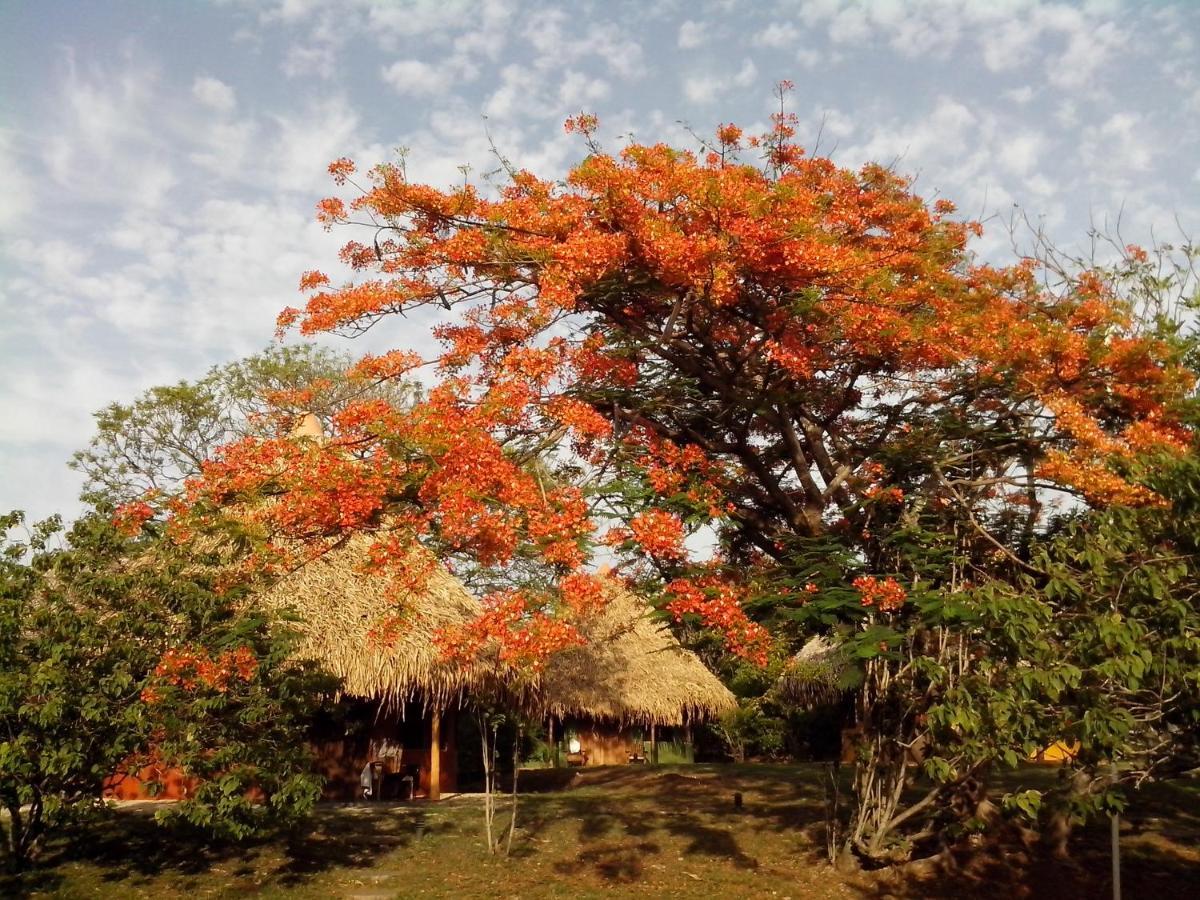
[880, 772]
[833, 814]
[488, 776]
[13, 861]
[512, 822]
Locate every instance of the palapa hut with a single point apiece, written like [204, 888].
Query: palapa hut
[400, 698]
[632, 693]
[821, 674]
[610, 699]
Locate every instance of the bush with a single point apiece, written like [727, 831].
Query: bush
[115, 651]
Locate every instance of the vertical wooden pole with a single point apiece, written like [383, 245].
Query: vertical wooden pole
[553, 746]
[653, 745]
[435, 755]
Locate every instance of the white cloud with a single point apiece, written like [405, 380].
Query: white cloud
[578, 89]
[777, 35]
[1119, 148]
[224, 148]
[108, 138]
[316, 59]
[553, 35]
[833, 125]
[214, 93]
[850, 26]
[305, 142]
[291, 10]
[1021, 153]
[1008, 45]
[692, 35]
[1074, 43]
[416, 78]
[705, 88]
[1020, 95]
[1088, 51]
[519, 87]
[15, 187]
[808, 58]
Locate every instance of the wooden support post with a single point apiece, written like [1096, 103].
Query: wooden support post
[653, 745]
[553, 746]
[435, 755]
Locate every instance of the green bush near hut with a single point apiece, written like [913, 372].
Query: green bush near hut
[87, 693]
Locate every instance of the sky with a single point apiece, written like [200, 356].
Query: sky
[160, 162]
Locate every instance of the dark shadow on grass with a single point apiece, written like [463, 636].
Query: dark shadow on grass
[620, 862]
[128, 847]
[625, 806]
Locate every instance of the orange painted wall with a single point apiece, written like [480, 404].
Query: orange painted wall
[133, 786]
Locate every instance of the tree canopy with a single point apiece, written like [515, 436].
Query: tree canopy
[152, 444]
[802, 361]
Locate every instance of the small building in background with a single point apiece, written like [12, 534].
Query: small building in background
[400, 700]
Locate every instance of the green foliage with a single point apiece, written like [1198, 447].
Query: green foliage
[84, 631]
[1113, 664]
[165, 434]
[749, 730]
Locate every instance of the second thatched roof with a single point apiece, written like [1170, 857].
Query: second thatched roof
[819, 673]
[632, 670]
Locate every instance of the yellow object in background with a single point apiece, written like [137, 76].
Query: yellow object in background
[1057, 752]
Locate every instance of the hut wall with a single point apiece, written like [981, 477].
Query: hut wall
[608, 743]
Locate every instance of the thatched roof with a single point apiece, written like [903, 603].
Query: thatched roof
[339, 605]
[819, 673]
[632, 670]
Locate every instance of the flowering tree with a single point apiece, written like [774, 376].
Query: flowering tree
[799, 361]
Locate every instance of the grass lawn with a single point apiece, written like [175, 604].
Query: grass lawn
[617, 832]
